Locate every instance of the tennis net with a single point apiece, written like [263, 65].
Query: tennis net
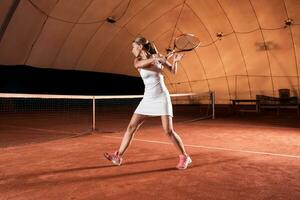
[72, 115]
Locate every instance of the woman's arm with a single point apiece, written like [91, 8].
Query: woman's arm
[173, 67]
[143, 63]
[150, 62]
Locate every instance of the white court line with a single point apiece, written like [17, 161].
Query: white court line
[215, 148]
[40, 129]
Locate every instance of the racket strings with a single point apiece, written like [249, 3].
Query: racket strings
[186, 42]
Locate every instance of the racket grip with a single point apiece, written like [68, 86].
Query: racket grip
[169, 54]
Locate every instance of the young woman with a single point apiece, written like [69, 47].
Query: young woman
[156, 100]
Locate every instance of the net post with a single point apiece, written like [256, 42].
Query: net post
[94, 114]
[213, 104]
[235, 87]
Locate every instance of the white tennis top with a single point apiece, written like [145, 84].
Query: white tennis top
[156, 100]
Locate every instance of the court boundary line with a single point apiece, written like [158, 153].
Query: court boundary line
[213, 148]
[41, 129]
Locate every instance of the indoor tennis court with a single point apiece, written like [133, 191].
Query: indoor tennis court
[73, 75]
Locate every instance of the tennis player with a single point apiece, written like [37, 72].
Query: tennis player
[156, 100]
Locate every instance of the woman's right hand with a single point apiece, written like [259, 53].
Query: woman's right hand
[159, 58]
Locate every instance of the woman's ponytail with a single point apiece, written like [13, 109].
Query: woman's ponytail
[148, 46]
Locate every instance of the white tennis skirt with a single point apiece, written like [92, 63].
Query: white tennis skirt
[155, 106]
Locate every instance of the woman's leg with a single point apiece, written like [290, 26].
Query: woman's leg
[167, 124]
[136, 121]
[184, 159]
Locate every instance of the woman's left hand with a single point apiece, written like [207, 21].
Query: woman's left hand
[177, 57]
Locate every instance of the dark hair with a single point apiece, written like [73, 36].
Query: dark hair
[148, 46]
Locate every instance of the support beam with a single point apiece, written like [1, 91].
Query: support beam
[8, 17]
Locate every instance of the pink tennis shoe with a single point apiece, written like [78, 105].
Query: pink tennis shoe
[115, 158]
[184, 161]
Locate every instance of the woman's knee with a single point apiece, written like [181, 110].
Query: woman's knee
[169, 131]
[133, 127]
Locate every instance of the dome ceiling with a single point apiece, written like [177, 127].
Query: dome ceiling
[255, 53]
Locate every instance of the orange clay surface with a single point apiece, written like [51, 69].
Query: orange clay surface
[233, 158]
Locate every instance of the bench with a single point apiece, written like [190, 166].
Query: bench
[246, 103]
[267, 102]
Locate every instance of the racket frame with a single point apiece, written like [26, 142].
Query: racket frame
[181, 50]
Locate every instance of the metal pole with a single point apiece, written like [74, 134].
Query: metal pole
[213, 104]
[235, 92]
[94, 114]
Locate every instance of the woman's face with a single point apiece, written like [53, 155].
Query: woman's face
[136, 49]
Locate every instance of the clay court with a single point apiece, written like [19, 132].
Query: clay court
[234, 157]
[74, 72]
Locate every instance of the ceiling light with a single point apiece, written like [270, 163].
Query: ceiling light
[220, 35]
[288, 22]
[110, 19]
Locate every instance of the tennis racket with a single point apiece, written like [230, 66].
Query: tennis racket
[182, 43]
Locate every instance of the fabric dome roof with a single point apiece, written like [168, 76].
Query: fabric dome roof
[258, 53]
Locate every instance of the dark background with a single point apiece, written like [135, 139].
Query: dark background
[26, 79]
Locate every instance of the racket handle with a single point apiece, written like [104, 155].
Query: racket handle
[169, 54]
